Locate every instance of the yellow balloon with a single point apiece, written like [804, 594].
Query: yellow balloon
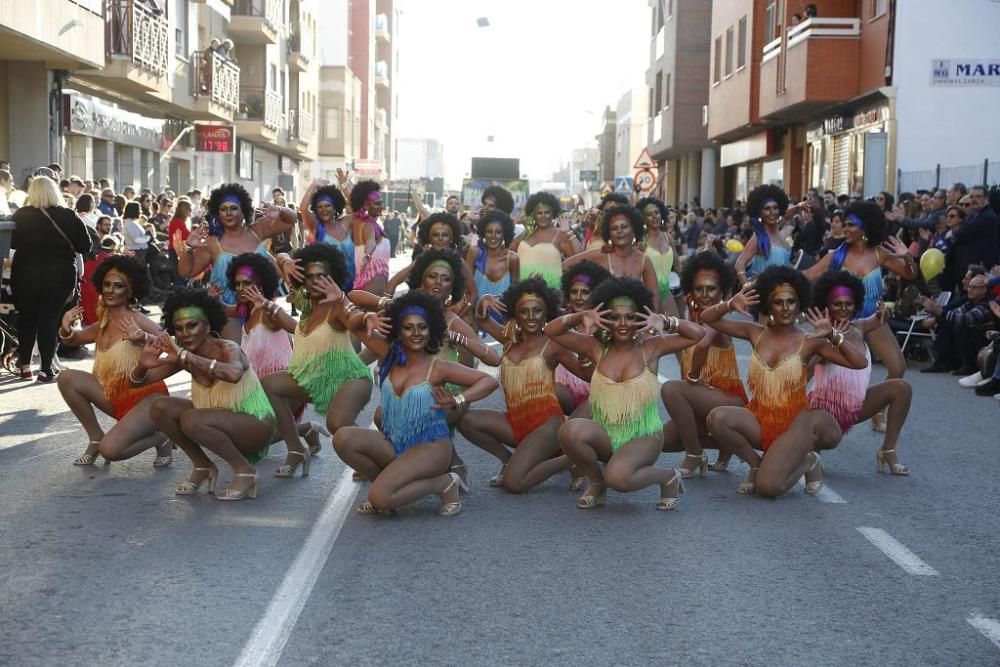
[931, 264]
[734, 245]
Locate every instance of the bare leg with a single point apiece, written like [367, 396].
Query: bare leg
[737, 432]
[232, 436]
[134, 433]
[884, 345]
[566, 401]
[586, 444]
[787, 459]
[532, 462]
[347, 404]
[286, 397]
[166, 413]
[366, 451]
[82, 393]
[488, 430]
[632, 467]
[688, 405]
[421, 470]
[896, 394]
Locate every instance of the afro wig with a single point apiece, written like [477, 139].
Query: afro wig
[424, 229]
[130, 267]
[658, 203]
[708, 261]
[778, 275]
[360, 193]
[262, 267]
[435, 317]
[615, 287]
[184, 297]
[546, 198]
[504, 200]
[335, 196]
[872, 219]
[613, 199]
[538, 287]
[596, 273]
[421, 264]
[760, 194]
[822, 287]
[499, 217]
[231, 190]
[329, 255]
[634, 216]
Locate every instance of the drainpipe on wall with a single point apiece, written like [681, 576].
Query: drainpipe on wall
[55, 116]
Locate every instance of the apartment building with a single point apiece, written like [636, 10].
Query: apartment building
[630, 129]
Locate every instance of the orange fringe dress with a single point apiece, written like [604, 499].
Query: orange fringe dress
[529, 387]
[112, 367]
[720, 370]
[778, 394]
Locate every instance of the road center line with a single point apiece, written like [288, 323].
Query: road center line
[826, 494]
[896, 551]
[988, 626]
[272, 631]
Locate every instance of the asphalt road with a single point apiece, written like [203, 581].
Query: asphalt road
[105, 566]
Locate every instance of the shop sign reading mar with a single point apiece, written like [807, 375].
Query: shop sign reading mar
[961, 72]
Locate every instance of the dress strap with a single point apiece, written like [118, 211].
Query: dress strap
[430, 369]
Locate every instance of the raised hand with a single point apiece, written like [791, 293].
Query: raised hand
[880, 311]
[743, 300]
[331, 290]
[71, 318]
[653, 321]
[130, 329]
[150, 355]
[213, 290]
[820, 321]
[595, 318]
[254, 296]
[377, 322]
[177, 241]
[341, 177]
[198, 236]
[487, 303]
[895, 247]
[291, 271]
[168, 348]
[443, 399]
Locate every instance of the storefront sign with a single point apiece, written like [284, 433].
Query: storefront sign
[814, 133]
[962, 72]
[871, 116]
[753, 147]
[214, 138]
[97, 119]
[837, 124]
[368, 167]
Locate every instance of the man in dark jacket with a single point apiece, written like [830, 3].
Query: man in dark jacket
[975, 241]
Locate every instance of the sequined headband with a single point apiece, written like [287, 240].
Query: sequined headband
[412, 310]
[436, 263]
[248, 272]
[327, 198]
[626, 301]
[839, 291]
[781, 288]
[232, 199]
[375, 196]
[584, 278]
[190, 313]
[856, 221]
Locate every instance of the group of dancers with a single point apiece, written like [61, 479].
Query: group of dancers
[579, 335]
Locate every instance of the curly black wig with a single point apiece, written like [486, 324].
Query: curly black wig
[613, 199]
[777, 275]
[182, 297]
[261, 265]
[329, 255]
[830, 279]
[615, 287]
[538, 287]
[546, 198]
[416, 277]
[504, 200]
[498, 216]
[436, 321]
[658, 203]
[597, 274]
[634, 216]
[711, 261]
[135, 270]
[873, 218]
[424, 229]
[231, 190]
[359, 195]
[761, 193]
[335, 195]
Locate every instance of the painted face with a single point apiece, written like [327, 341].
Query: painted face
[489, 203]
[543, 216]
[530, 313]
[624, 322]
[783, 305]
[620, 231]
[230, 214]
[853, 233]
[311, 274]
[375, 207]
[841, 307]
[324, 210]
[706, 289]
[452, 205]
[653, 217]
[579, 292]
[414, 333]
[242, 283]
[769, 213]
[437, 282]
[114, 289]
[440, 236]
[191, 333]
[493, 235]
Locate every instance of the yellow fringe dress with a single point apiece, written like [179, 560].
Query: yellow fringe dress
[627, 410]
[544, 259]
[778, 393]
[246, 397]
[112, 367]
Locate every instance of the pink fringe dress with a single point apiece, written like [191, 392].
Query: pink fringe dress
[840, 391]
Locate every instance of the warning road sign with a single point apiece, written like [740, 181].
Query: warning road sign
[644, 161]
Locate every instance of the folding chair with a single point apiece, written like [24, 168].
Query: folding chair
[942, 300]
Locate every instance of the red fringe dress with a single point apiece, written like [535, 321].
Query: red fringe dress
[778, 393]
[529, 387]
[112, 367]
[720, 370]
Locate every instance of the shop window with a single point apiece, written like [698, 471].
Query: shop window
[741, 45]
[774, 172]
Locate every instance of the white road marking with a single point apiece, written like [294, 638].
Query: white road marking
[28, 441]
[826, 494]
[272, 631]
[895, 550]
[988, 626]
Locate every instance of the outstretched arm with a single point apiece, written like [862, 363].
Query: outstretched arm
[740, 302]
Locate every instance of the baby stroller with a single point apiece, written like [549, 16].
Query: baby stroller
[8, 331]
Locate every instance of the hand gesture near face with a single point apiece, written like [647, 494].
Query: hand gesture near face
[168, 348]
[377, 322]
[131, 331]
[71, 318]
[595, 318]
[653, 321]
[331, 290]
[895, 247]
[489, 303]
[254, 296]
[820, 321]
[151, 355]
[743, 300]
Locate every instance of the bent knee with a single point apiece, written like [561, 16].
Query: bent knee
[715, 421]
[159, 410]
[513, 484]
[110, 450]
[380, 497]
[768, 487]
[900, 387]
[191, 421]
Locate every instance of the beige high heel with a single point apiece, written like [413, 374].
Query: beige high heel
[893, 468]
[879, 422]
[720, 465]
[814, 476]
[88, 459]
[699, 470]
[288, 470]
[317, 430]
[749, 485]
[589, 500]
[234, 494]
[497, 480]
[164, 461]
[451, 509]
[667, 503]
[189, 488]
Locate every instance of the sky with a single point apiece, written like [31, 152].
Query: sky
[537, 79]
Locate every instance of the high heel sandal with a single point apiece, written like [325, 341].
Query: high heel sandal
[575, 482]
[189, 488]
[460, 470]
[358, 477]
[589, 501]
[749, 485]
[667, 503]
[814, 476]
[879, 422]
[88, 459]
[497, 480]
[164, 461]
[367, 508]
[317, 430]
[894, 468]
[700, 469]
[239, 494]
[720, 465]
[288, 470]
[451, 509]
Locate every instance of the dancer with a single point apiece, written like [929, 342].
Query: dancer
[622, 226]
[843, 392]
[578, 282]
[232, 231]
[543, 247]
[322, 206]
[659, 247]
[531, 423]
[766, 206]
[496, 266]
[118, 335]
[865, 253]
[496, 197]
[626, 431]
[777, 380]
[410, 457]
[371, 246]
[324, 369]
[440, 231]
[710, 376]
[228, 414]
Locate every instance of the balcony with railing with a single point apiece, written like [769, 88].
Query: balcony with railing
[136, 49]
[301, 47]
[381, 74]
[256, 21]
[816, 64]
[261, 113]
[301, 130]
[216, 85]
[382, 28]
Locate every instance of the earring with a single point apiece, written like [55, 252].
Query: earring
[770, 320]
[864, 238]
[447, 302]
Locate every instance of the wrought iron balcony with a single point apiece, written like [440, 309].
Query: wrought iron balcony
[248, 15]
[261, 105]
[132, 31]
[217, 79]
[301, 126]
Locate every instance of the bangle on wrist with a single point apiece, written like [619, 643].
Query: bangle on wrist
[67, 335]
[459, 400]
[211, 367]
[182, 357]
[693, 380]
[133, 379]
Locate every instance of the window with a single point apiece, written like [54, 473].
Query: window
[179, 10]
[666, 93]
[770, 23]
[741, 44]
[717, 69]
[659, 93]
[331, 124]
[729, 51]
[272, 79]
[652, 112]
[876, 8]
